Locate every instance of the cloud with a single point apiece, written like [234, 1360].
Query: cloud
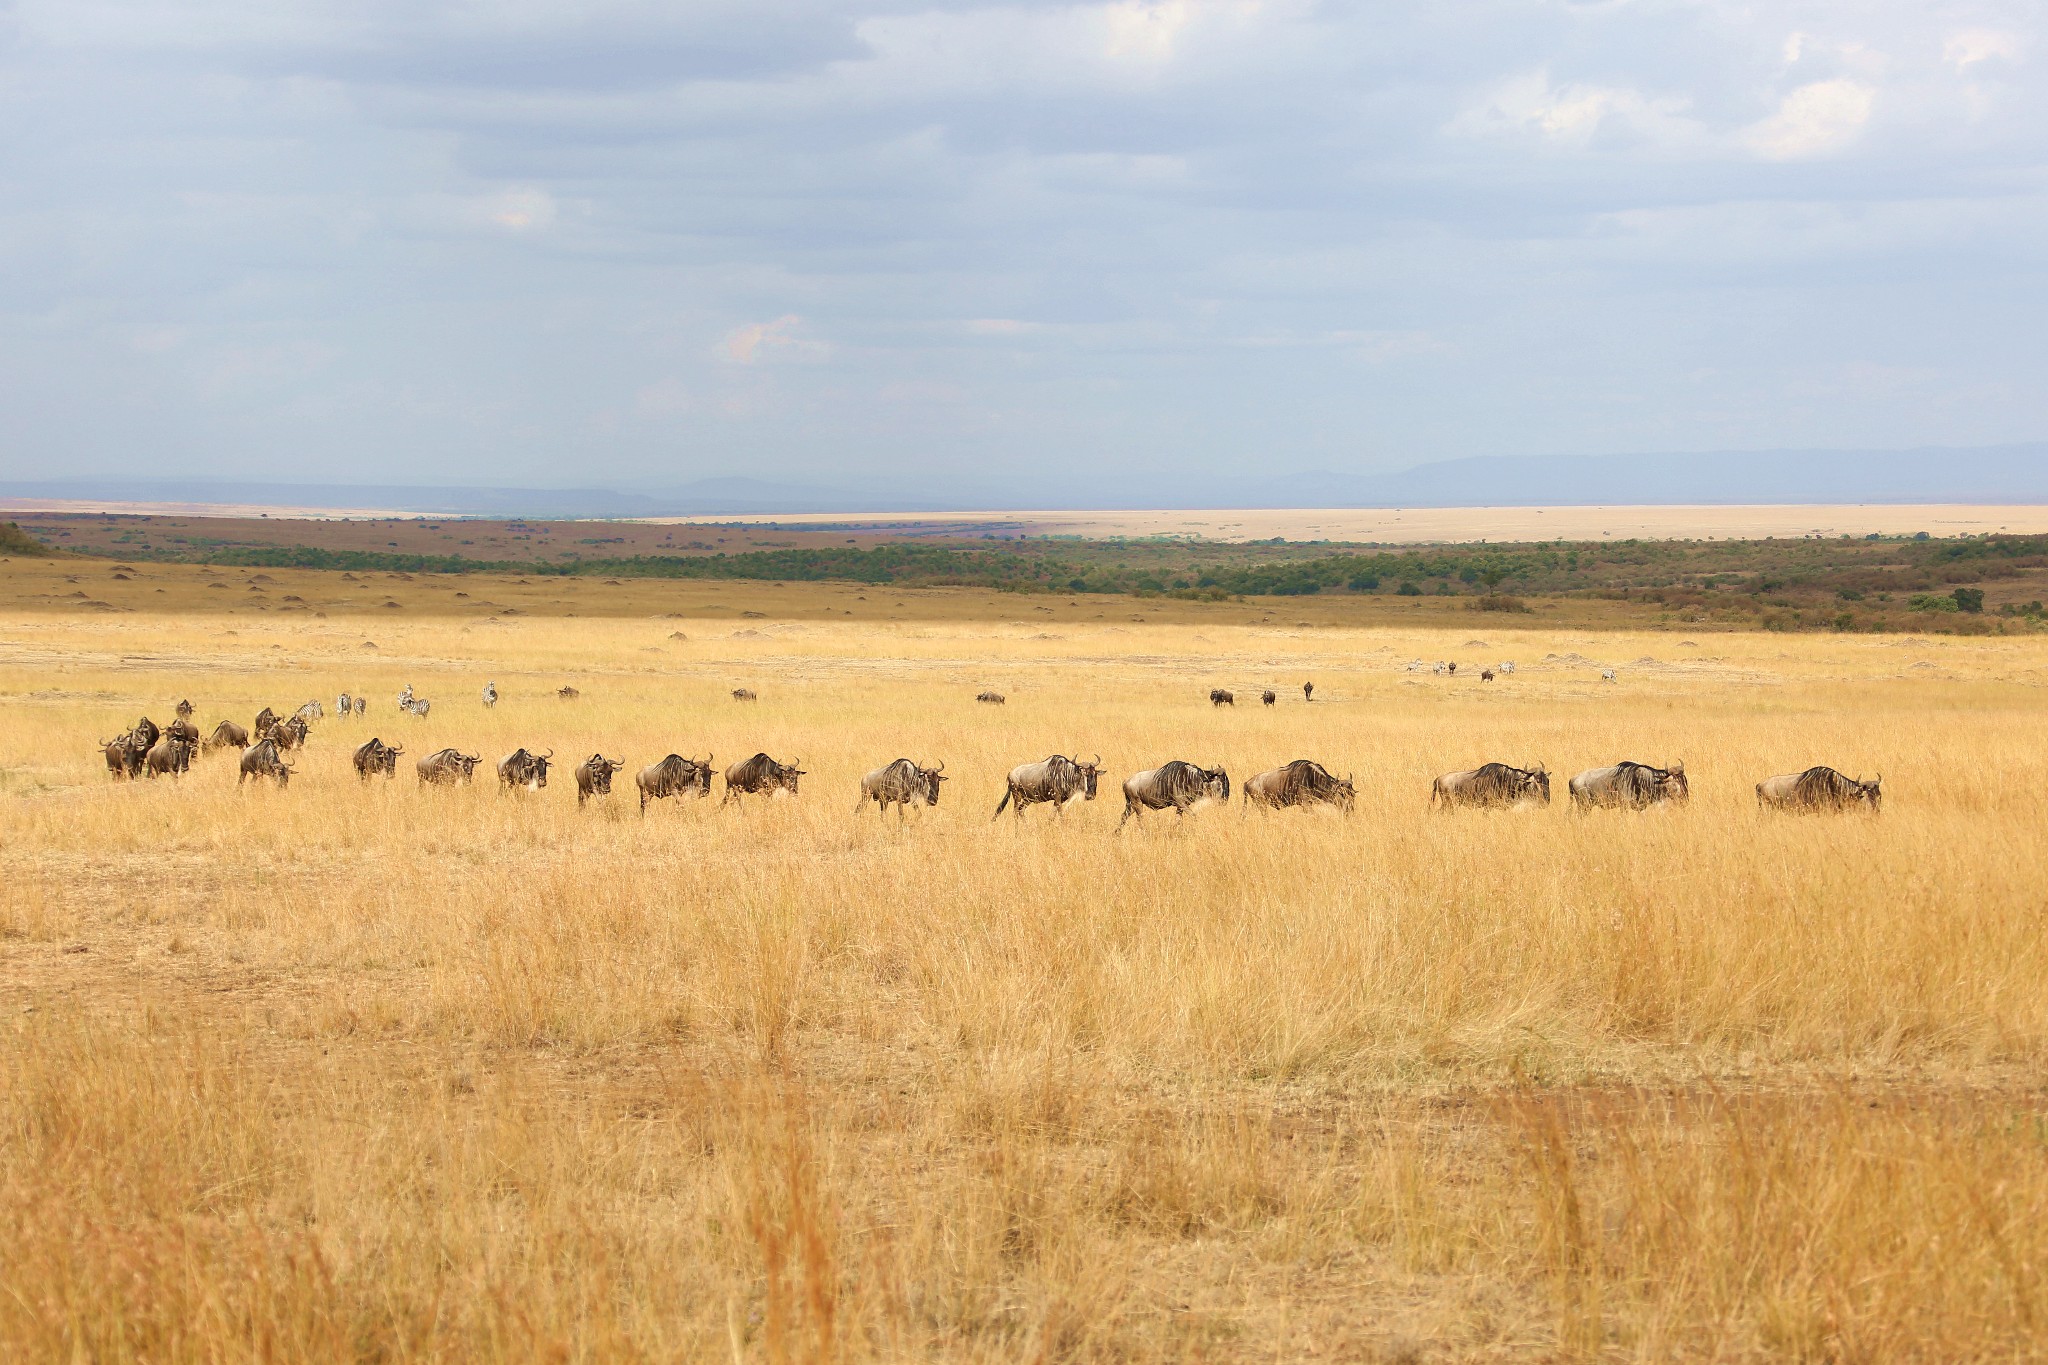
[1973, 45]
[1814, 119]
[757, 341]
[1574, 114]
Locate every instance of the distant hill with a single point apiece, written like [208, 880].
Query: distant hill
[1995, 474]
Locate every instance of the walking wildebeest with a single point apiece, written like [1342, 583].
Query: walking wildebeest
[522, 769]
[446, 767]
[744, 694]
[1486, 675]
[1635, 786]
[262, 760]
[1304, 782]
[567, 693]
[172, 754]
[377, 757]
[1308, 691]
[901, 784]
[1268, 697]
[1491, 785]
[992, 698]
[228, 735]
[289, 734]
[1173, 786]
[760, 776]
[264, 720]
[594, 777]
[490, 694]
[1219, 697]
[1819, 789]
[672, 776]
[1057, 779]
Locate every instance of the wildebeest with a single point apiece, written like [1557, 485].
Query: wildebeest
[262, 760]
[228, 735]
[672, 776]
[311, 711]
[992, 698]
[146, 733]
[446, 767]
[901, 784]
[289, 734]
[1304, 782]
[1491, 785]
[1219, 697]
[594, 777]
[183, 730]
[1057, 779]
[377, 757]
[1819, 789]
[1486, 675]
[760, 776]
[1634, 786]
[490, 694]
[1268, 697]
[264, 720]
[1308, 691]
[184, 710]
[1172, 786]
[172, 754]
[744, 694]
[125, 754]
[522, 769]
[567, 693]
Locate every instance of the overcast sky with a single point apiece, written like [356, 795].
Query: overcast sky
[637, 242]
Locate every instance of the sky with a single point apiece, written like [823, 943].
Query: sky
[635, 243]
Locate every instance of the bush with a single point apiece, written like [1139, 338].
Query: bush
[1927, 601]
[1363, 582]
[1969, 599]
[1497, 601]
[1407, 589]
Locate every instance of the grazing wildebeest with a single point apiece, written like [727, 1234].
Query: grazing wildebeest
[760, 776]
[1634, 786]
[362, 706]
[522, 769]
[1268, 697]
[172, 754]
[1819, 789]
[1304, 782]
[1486, 675]
[1491, 785]
[228, 735]
[1219, 697]
[311, 711]
[184, 710]
[992, 698]
[567, 693]
[672, 776]
[1057, 779]
[289, 734]
[901, 784]
[264, 720]
[1308, 691]
[262, 760]
[594, 777]
[377, 757]
[744, 694]
[446, 767]
[490, 694]
[1173, 786]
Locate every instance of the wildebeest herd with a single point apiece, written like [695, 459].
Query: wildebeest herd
[1058, 780]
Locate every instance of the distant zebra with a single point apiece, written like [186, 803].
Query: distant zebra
[362, 706]
[416, 706]
[344, 705]
[491, 693]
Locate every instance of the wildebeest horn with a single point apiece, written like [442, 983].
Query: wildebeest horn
[549, 754]
[1097, 763]
[1678, 767]
[942, 766]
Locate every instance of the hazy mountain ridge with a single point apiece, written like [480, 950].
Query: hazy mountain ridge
[2002, 474]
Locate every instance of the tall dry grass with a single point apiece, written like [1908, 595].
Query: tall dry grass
[376, 1071]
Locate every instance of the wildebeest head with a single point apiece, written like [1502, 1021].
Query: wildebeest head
[184, 709]
[182, 730]
[1671, 784]
[928, 780]
[786, 775]
[1538, 783]
[146, 733]
[1091, 772]
[1216, 784]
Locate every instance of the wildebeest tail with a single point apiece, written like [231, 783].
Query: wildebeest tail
[1004, 803]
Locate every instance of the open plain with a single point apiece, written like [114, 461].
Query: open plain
[379, 1071]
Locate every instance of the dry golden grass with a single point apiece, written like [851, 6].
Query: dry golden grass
[349, 1071]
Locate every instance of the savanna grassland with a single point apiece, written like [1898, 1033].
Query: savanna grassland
[377, 1072]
